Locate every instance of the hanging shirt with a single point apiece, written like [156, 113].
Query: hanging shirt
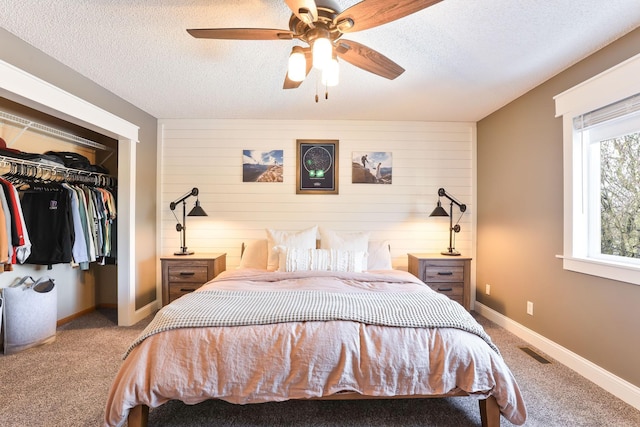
[47, 216]
[98, 212]
[79, 248]
[91, 222]
[84, 217]
[6, 227]
[110, 215]
[4, 238]
[22, 252]
[17, 236]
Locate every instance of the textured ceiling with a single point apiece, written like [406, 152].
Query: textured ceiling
[463, 58]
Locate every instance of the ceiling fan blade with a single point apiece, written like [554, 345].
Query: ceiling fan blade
[371, 13]
[305, 10]
[241, 33]
[290, 84]
[368, 59]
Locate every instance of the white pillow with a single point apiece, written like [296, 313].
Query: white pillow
[305, 239]
[255, 254]
[379, 255]
[353, 241]
[296, 259]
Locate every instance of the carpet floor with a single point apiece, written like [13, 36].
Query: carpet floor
[65, 383]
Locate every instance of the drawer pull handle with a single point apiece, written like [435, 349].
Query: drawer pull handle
[445, 289]
[445, 273]
[186, 290]
[187, 273]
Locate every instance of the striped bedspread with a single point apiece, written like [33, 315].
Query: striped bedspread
[216, 308]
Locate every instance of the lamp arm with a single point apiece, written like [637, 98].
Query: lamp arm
[183, 229]
[452, 228]
[194, 192]
[443, 193]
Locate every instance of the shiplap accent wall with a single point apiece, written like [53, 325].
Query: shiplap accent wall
[208, 154]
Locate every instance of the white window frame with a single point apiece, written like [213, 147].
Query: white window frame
[613, 85]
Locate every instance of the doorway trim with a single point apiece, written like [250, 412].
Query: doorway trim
[19, 86]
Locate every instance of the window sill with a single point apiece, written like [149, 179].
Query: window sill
[608, 270]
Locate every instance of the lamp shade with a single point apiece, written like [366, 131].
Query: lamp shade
[197, 210]
[322, 52]
[331, 73]
[297, 69]
[439, 211]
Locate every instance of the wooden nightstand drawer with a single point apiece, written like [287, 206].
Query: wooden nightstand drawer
[443, 273]
[181, 274]
[176, 291]
[184, 274]
[455, 291]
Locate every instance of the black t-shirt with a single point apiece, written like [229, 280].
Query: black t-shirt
[47, 215]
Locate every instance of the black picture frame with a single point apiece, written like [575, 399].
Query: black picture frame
[317, 166]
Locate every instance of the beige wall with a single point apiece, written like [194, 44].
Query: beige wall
[20, 54]
[520, 228]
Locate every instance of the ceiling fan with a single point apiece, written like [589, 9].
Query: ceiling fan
[321, 25]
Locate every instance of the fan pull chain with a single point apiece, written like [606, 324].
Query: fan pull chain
[326, 91]
[326, 95]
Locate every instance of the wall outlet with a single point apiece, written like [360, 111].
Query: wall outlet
[487, 289]
[529, 308]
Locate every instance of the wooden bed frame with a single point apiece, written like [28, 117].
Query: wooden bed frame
[489, 410]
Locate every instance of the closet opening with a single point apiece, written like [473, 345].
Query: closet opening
[45, 158]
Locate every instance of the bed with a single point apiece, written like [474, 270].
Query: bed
[315, 327]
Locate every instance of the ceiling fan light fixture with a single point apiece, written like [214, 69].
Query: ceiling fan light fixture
[297, 67]
[322, 51]
[331, 73]
[320, 26]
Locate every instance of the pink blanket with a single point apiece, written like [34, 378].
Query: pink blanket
[276, 362]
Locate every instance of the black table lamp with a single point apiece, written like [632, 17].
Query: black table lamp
[181, 228]
[439, 211]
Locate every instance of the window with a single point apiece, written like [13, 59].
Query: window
[608, 142]
[601, 121]
[620, 197]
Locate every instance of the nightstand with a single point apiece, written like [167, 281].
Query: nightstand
[182, 274]
[448, 275]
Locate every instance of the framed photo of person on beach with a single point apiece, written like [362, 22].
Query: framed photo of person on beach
[317, 166]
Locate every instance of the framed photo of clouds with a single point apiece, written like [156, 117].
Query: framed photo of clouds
[371, 167]
[317, 166]
[262, 166]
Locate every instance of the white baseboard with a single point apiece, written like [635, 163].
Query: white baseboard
[601, 377]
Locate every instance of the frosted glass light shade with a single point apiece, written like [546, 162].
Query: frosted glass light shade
[297, 68]
[322, 52]
[331, 73]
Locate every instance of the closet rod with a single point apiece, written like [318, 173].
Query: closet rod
[56, 171]
[51, 131]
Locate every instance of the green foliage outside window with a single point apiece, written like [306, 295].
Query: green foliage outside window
[620, 196]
